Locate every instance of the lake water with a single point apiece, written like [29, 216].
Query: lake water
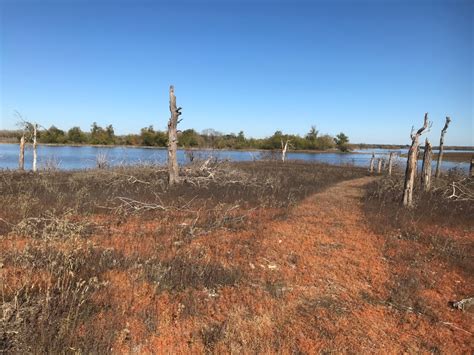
[85, 157]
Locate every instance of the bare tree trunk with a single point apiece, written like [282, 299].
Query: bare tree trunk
[284, 149]
[426, 167]
[35, 152]
[390, 162]
[441, 147]
[379, 166]
[372, 160]
[411, 164]
[21, 159]
[173, 169]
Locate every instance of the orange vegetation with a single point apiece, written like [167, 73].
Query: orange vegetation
[313, 279]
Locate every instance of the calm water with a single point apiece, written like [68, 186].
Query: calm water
[70, 158]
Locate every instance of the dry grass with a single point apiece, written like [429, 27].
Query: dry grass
[429, 248]
[102, 260]
[240, 258]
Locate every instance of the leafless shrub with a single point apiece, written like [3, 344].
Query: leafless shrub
[51, 227]
[101, 160]
[43, 316]
[50, 164]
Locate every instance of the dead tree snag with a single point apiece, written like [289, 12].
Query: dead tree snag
[412, 163]
[441, 147]
[426, 167]
[390, 162]
[35, 149]
[284, 149]
[21, 159]
[372, 160]
[379, 166]
[173, 169]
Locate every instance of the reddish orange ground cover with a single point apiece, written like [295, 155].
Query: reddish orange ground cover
[316, 279]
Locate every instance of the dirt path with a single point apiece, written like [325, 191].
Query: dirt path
[337, 277]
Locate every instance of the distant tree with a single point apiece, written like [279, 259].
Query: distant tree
[132, 139]
[189, 138]
[211, 137]
[312, 135]
[53, 135]
[341, 141]
[75, 135]
[150, 137]
[325, 142]
[103, 136]
[147, 136]
[274, 142]
[110, 133]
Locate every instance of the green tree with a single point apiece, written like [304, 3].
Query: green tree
[325, 142]
[189, 138]
[312, 135]
[150, 137]
[52, 135]
[341, 141]
[103, 136]
[75, 135]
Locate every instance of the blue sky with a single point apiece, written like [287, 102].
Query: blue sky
[368, 68]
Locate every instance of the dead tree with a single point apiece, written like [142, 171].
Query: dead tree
[426, 167]
[390, 162]
[284, 149]
[379, 166]
[21, 159]
[411, 164]
[173, 169]
[35, 152]
[441, 147]
[372, 160]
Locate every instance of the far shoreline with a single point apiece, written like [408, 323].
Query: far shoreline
[459, 153]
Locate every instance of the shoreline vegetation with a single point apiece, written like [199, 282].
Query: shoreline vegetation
[189, 138]
[208, 139]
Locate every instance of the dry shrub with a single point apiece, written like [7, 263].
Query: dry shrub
[51, 227]
[181, 273]
[144, 189]
[47, 317]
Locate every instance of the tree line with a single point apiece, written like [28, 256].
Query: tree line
[189, 138]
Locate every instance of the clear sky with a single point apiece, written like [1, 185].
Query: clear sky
[368, 68]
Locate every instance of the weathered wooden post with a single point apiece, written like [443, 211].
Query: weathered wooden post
[390, 162]
[441, 147]
[21, 159]
[379, 166]
[35, 152]
[173, 169]
[426, 167]
[411, 164]
[372, 160]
